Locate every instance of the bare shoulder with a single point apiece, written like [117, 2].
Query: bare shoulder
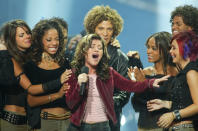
[191, 74]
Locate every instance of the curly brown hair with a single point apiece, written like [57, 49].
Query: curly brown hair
[37, 45]
[103, 13]
[9, 36]
[78, 62]
[189, 15]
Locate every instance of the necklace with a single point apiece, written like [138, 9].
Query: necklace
[47, 60]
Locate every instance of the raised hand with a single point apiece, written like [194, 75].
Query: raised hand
[157, 81]
[116, 43]
[137, 73]
[134, 54]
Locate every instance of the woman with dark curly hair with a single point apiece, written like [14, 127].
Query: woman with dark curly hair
[17, 42]
[64, 27]
[48, 63]
[107, 23]
[93, 109]
[184, 18]
[183, 103]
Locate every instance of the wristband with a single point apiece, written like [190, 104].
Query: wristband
[177, 115]
[19, 76]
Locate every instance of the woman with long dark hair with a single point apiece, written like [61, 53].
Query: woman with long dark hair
[158, 47]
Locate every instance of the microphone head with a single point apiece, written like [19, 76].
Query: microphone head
[85, 69]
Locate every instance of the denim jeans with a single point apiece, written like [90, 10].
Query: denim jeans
[101, 126]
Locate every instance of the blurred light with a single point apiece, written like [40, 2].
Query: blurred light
[123, 120]
[44, 9]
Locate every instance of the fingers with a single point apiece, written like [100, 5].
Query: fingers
[65, 76]
[130, 72]
[116, 43]
[66, 87]
[165, 120]
[134, 54]
[82, 78]
[149, 107]
[166, 77]
[162, 121]
[153, 101]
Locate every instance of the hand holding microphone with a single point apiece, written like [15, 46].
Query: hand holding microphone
[83, 78]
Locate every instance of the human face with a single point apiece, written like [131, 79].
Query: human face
[94, 54]
[177, 58]
[105, 30]
[179, 26]
[50, 41]
[152, 51]
[23, 38]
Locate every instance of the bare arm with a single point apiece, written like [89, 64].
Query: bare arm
[41, 100]
[166, 119]
[26, 83]
[192, 80]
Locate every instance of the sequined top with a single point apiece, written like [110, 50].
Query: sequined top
[180, 92]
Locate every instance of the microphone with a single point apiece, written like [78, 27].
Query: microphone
[84, 69]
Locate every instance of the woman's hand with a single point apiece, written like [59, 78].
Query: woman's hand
[157, 104]
[157, 81]
[165, 120]
[136, 74]
[64, 89]
[116, 43]
[82, 78]
[65, 76]
[134, 54]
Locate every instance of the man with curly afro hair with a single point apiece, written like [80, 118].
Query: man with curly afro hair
[184, 18]
[107, 23]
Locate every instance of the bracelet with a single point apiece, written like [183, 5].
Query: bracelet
[177, 115]
[19, 76]
[28, 87]
[50, 98]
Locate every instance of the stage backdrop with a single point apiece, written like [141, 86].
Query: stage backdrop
[141, 19]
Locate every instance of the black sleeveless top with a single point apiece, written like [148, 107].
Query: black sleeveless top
[11, 92]
[180, 92]
[148, 119]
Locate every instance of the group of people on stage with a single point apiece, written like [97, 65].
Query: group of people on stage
[45, 86]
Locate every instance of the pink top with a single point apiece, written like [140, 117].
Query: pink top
[94, 109]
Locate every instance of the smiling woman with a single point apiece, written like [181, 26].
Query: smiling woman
[49, 110]
[158, 47]
[183, 104]
[17, 35]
